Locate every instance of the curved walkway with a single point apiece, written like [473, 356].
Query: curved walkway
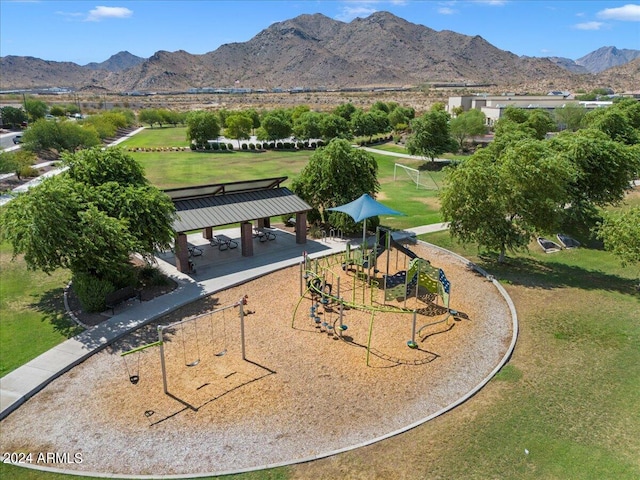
[482, 379]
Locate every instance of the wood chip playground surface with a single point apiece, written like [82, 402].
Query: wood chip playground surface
[303, 392]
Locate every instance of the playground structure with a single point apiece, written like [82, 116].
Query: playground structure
[353, 282]
[194, 344]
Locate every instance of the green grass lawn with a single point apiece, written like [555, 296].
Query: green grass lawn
[177, 169]
[33, 318]
[159, 137]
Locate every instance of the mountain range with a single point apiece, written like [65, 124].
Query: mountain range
[316, 51]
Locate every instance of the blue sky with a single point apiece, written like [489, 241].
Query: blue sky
[86, 31]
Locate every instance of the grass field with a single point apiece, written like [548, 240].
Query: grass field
[568, 396]
[32, 315]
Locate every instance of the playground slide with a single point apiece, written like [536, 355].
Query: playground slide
[403, 249]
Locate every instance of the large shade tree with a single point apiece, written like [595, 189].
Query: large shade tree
[202, 126]
[620, 232]
[468, 124]
[335, 175]
[604, 170]
[431, 135]
[500, 200]
[90, 219]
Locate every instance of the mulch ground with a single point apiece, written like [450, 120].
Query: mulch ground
[302, 391]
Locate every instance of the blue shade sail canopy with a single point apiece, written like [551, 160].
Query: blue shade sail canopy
[362, 208]
[365, 207]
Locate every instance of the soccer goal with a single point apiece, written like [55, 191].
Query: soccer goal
[427, 182]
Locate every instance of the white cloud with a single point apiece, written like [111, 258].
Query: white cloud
[100, 13]
[495, 3]
[447, 11]
[629, 13]
[349, 13]
[589, 26]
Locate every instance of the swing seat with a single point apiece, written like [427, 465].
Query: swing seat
[134, 379]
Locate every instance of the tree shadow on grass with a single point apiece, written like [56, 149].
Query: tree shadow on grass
[51, 305]
[529, 272]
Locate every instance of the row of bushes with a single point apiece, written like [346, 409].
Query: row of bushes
[260, 146]
[158, 149]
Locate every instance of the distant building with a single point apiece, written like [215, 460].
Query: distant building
[493, 105]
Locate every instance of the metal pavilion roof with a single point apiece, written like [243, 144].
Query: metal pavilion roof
[224, 204]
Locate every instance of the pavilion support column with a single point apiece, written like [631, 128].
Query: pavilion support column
[207, 233]
[246, 239]
[301, 227]
[261, 223]
[182, 253]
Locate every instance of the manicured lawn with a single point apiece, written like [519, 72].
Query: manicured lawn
[33, 318]
[177, 169]
[159, 137]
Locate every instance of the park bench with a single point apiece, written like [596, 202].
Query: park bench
[113, 299]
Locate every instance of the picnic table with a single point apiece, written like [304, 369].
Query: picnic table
[263, 234]
[223, 242]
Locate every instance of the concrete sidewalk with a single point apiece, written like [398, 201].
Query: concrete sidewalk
[24, 382]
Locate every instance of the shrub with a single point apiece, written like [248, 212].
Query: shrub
[223, 146]
[215, 146]
[27, 172]
[230, 146]
[91, 291]
[251, 146]
[259, 146]
[150, 275]
[244, 146]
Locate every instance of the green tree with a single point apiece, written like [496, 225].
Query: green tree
[36, 109]
[500, 202]
[620, 232]
[431, 135]
[18, 162]
[59, 136]
[57, 111]
[604, 168]
[345, 111]
[569, 116]
[614, 122]
[12, 117]
[400, 117]
[515, 114]
[202, 126]
[90, 219]
[467, 124]
[367, 124]
[335, 126]
[275, 125]
[239, 126]
[150, 116]
[337, 174]
[540, 121]
[308, 125]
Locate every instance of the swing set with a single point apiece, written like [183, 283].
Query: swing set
[133, 367]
